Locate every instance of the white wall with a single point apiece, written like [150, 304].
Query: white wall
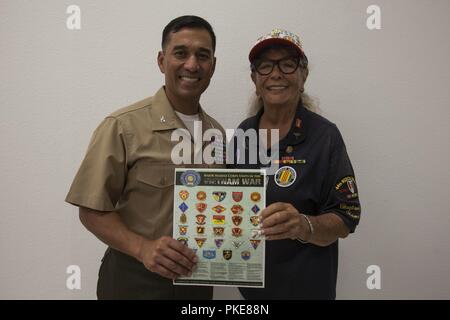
[387, 90]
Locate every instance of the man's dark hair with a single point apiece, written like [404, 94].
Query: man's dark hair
[187, 22]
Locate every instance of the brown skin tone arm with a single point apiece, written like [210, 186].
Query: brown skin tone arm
[164, 256]
[282, 221]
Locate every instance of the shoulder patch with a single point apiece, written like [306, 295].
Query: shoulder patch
[346, 188]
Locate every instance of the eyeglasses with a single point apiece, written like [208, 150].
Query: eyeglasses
[286, 65]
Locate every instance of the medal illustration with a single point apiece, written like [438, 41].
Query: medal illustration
[255, 209]
[255, 243]
[209, 254]
[237, 209]
[237, 244]
[200, 241]
[219, 195]
[237, 196]
[201, 195]
[183, 207]
[218, 219]
[256, 233]
[183, 230]
[218, 231]
[218, 242]
[236, 220]
[218, 209]
[184, 194]
[201, 207]
[227, 254]
[237, 232]
[183, 240]
[200, 219]
[245, 255]
[255, 196]
[200, 229]
[254, 220]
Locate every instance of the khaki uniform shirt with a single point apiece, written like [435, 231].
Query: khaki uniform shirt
[128, 166]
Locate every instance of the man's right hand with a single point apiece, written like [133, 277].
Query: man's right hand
[167, 257]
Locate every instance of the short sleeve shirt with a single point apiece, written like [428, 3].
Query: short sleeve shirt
[128, 166]
[315, 175]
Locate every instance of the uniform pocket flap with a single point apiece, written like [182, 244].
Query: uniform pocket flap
[158, 175]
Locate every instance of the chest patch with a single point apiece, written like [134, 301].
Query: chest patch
[285, 176]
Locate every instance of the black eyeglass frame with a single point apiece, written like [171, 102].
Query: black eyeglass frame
[300, 62]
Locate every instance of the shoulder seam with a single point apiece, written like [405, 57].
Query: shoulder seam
[137, 107]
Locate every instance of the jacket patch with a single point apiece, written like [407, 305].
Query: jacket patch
[346, 188]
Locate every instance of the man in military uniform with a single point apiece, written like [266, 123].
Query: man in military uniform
[124, 187]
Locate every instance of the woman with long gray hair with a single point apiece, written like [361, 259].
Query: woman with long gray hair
[312, 198]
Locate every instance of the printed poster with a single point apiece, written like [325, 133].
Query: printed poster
[216, 213]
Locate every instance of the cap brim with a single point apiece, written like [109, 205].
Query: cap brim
[271, 41]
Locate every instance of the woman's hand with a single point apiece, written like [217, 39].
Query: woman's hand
[281, 220]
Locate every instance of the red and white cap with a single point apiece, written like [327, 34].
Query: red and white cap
[276, 36]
